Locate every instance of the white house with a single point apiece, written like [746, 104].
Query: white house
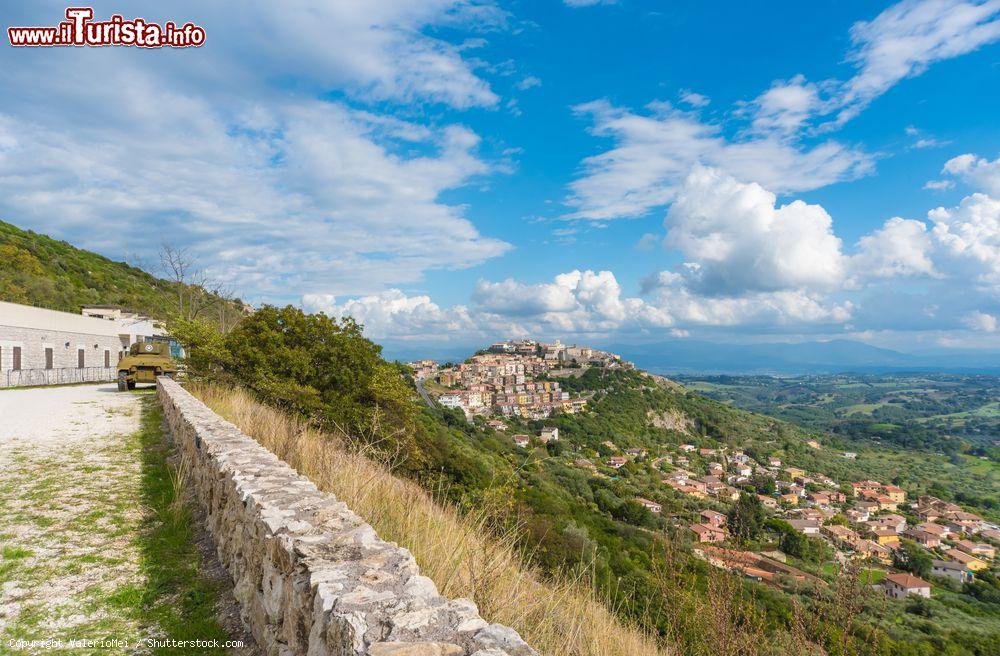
[652, 506]
[451, 400]
[951, 570]
[899, 586]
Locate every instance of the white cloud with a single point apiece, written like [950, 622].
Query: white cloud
[528, 83]
[906, 38]
[923, 140]
[694, 99]
[938, 185]
[376, 50]
[976, 171]
[981, 321]
[585, 302]
[739, 241]
[901, 247]
[588, 3]
[392, 313]
[784, 108]
[592, 302]
[653, 154]
[789, 307]
[647, 242]
[969, 238]
[274, 189]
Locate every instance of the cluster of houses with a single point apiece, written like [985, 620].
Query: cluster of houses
[501, 380]
[870, 525]
[864, 520]
[558, 354]
[545, 435]
[759, 567]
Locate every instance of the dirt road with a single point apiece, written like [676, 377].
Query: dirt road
[69, 507]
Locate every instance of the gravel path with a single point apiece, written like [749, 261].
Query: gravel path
[69, 507]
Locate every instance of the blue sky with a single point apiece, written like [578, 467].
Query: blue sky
[453, 171]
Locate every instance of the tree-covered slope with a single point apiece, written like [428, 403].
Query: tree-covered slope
[38, 270]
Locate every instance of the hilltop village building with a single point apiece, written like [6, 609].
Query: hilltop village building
[40, 346]
[504, 379]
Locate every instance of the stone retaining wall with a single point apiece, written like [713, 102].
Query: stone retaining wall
[311, 577]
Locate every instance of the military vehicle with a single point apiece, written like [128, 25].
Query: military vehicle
[143, 363]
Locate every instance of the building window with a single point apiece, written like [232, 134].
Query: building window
[48, 357]
[16, 355]
[107, 358]
[81, 357]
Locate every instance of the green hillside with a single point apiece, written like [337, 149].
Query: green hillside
[578, 516]
[38, 270]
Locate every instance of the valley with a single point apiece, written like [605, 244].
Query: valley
[810, 490]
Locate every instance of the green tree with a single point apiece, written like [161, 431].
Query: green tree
[912, 558]
[314, 365]
[763, 484]
[795, 544]
[746, 518]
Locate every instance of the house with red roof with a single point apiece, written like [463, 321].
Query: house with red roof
[900, 586]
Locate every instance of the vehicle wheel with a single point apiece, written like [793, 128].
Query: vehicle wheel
[122, 381]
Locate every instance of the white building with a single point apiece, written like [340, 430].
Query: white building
[40, 346]
[952, 570]
[899, 586]
[451, 400]
[549, 434]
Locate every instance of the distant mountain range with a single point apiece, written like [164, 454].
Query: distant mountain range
[798, 358]
[694, 356]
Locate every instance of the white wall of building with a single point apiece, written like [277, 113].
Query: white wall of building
[36, 332]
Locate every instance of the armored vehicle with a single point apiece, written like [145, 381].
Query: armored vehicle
[143, 363]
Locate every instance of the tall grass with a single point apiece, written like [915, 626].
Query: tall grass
[462, 552]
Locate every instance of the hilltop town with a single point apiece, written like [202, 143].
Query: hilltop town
[516, 378]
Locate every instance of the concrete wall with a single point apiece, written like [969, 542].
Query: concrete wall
[311, 577]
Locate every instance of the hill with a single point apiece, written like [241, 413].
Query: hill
[38, 270]
[599, 503]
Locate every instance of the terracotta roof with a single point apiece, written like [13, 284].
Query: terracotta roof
[960, 556]
[701, 529]
[907, 580]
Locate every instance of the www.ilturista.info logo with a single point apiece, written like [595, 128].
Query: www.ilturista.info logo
[79, 29]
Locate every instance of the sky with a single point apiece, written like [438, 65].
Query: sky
[457, 171]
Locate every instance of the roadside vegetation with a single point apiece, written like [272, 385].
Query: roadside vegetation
[545, 544]
[38, 270]
[467, 554]
[176, 598]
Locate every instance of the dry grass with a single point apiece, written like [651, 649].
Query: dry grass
[460, 552]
